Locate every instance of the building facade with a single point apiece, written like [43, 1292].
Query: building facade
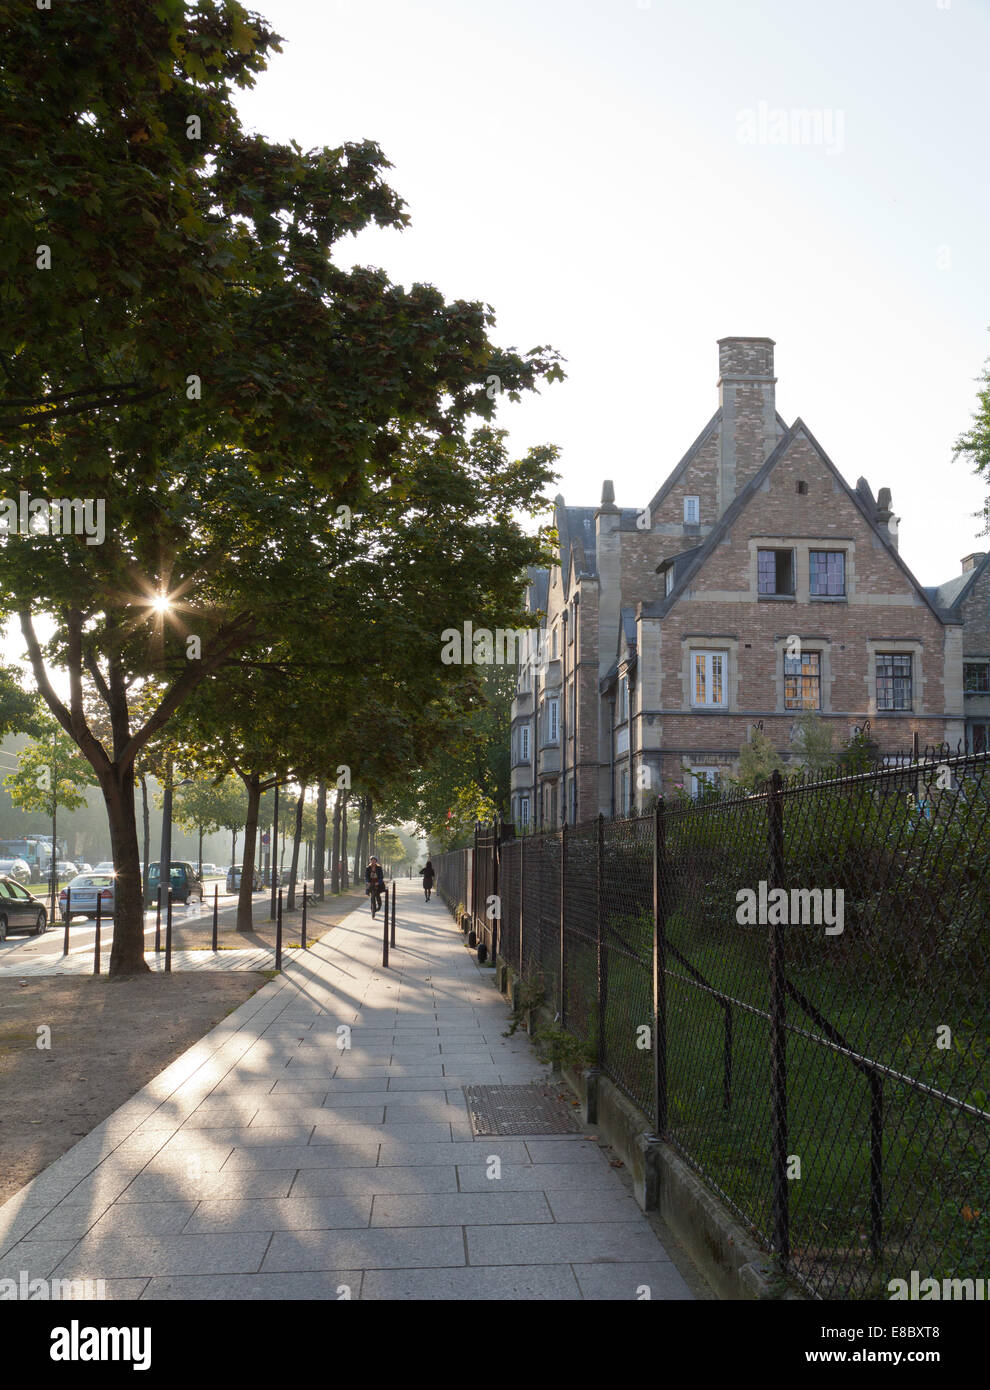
[967, 599]
[755, 586]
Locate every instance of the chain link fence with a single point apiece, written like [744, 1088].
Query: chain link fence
[792, 987]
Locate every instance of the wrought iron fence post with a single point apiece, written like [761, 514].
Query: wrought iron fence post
[778, 1033]
[561, 992]
[600, 935]
[522, 900]
[659, 969]
[496, 857]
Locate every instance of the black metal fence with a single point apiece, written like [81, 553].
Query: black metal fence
[453, 871]
[792, 986]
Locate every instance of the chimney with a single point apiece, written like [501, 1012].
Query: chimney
[969, 562]
[885, 515]
[749, 412]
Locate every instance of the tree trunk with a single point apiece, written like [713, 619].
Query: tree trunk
[345, 882]
[296, 838]
[335, 852]
[146, 827]
[320, 848]
[245, 920]
[360, 855]
[201, 851]
[127, 951]
[233, 848]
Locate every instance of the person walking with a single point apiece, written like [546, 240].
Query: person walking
[374, 879]
[428, 879]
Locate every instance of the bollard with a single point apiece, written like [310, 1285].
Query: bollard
[385, 934]
[68, 913]
[96, 953]
[216, 892]
[304, 946]
[393, 911]
[158, 923]
[278, 932]
[168, 934]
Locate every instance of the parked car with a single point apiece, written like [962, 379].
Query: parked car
[105, 866]
[184, 882]
[19, 869]
[19, 909]
[234, 879]
[212, 871]
[84, 890]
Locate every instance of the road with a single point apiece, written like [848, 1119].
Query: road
[82, 933]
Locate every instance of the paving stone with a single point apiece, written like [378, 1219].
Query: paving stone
[608, 1206]
[461, 1209]
[36, 1257]
[326, 1285]
[116, 1256]
[576, 1242]
[412, 1248]
[179, 1187]
[541, 1177]
[529, 1283]
[303, 1156]
[312, 1182]
[286, 1213]
[658, 1279]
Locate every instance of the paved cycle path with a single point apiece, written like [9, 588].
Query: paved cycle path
[317, 1144]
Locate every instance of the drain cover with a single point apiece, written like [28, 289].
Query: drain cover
[531, 1109]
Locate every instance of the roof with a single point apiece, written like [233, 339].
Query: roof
[950, 595]
[741, 501]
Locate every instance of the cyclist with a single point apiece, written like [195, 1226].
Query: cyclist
[374, 878]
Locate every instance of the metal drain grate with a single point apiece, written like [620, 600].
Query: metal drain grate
[532, 1109]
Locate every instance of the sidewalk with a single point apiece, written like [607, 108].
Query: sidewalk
[270, 1161]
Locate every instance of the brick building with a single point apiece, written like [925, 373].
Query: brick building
[755, 585]
[967, 600]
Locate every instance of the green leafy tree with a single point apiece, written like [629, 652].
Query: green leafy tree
[814, 743]
[206, 805]
[758, 759]
[51, 774]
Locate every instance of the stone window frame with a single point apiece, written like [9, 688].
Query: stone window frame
[694, 520]
[895, 646]
[821, 645]
[982, 661]
[728, 647]
[802, 547]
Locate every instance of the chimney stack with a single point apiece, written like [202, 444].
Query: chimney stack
[749, 412]
[969, 562]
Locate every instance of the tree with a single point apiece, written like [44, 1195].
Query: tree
[975, 442]
[758, 759]
[20, 710]
[815, 743]
[51, 773]
[207, 805]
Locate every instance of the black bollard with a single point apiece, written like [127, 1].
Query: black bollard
[68, 914]
[278, 932]
[96, 952]
[168, 935]
[304, 946]
[216, 893]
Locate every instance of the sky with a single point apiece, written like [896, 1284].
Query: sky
[618, 179]
[583, 166]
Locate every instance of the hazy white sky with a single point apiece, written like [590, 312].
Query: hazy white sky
[578, 165]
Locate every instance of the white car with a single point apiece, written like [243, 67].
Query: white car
[104, 867]
[18, 869]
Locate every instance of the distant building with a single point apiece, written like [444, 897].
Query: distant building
[967, 599]
[755, 585]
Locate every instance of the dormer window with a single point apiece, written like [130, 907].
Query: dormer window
[692, 511]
